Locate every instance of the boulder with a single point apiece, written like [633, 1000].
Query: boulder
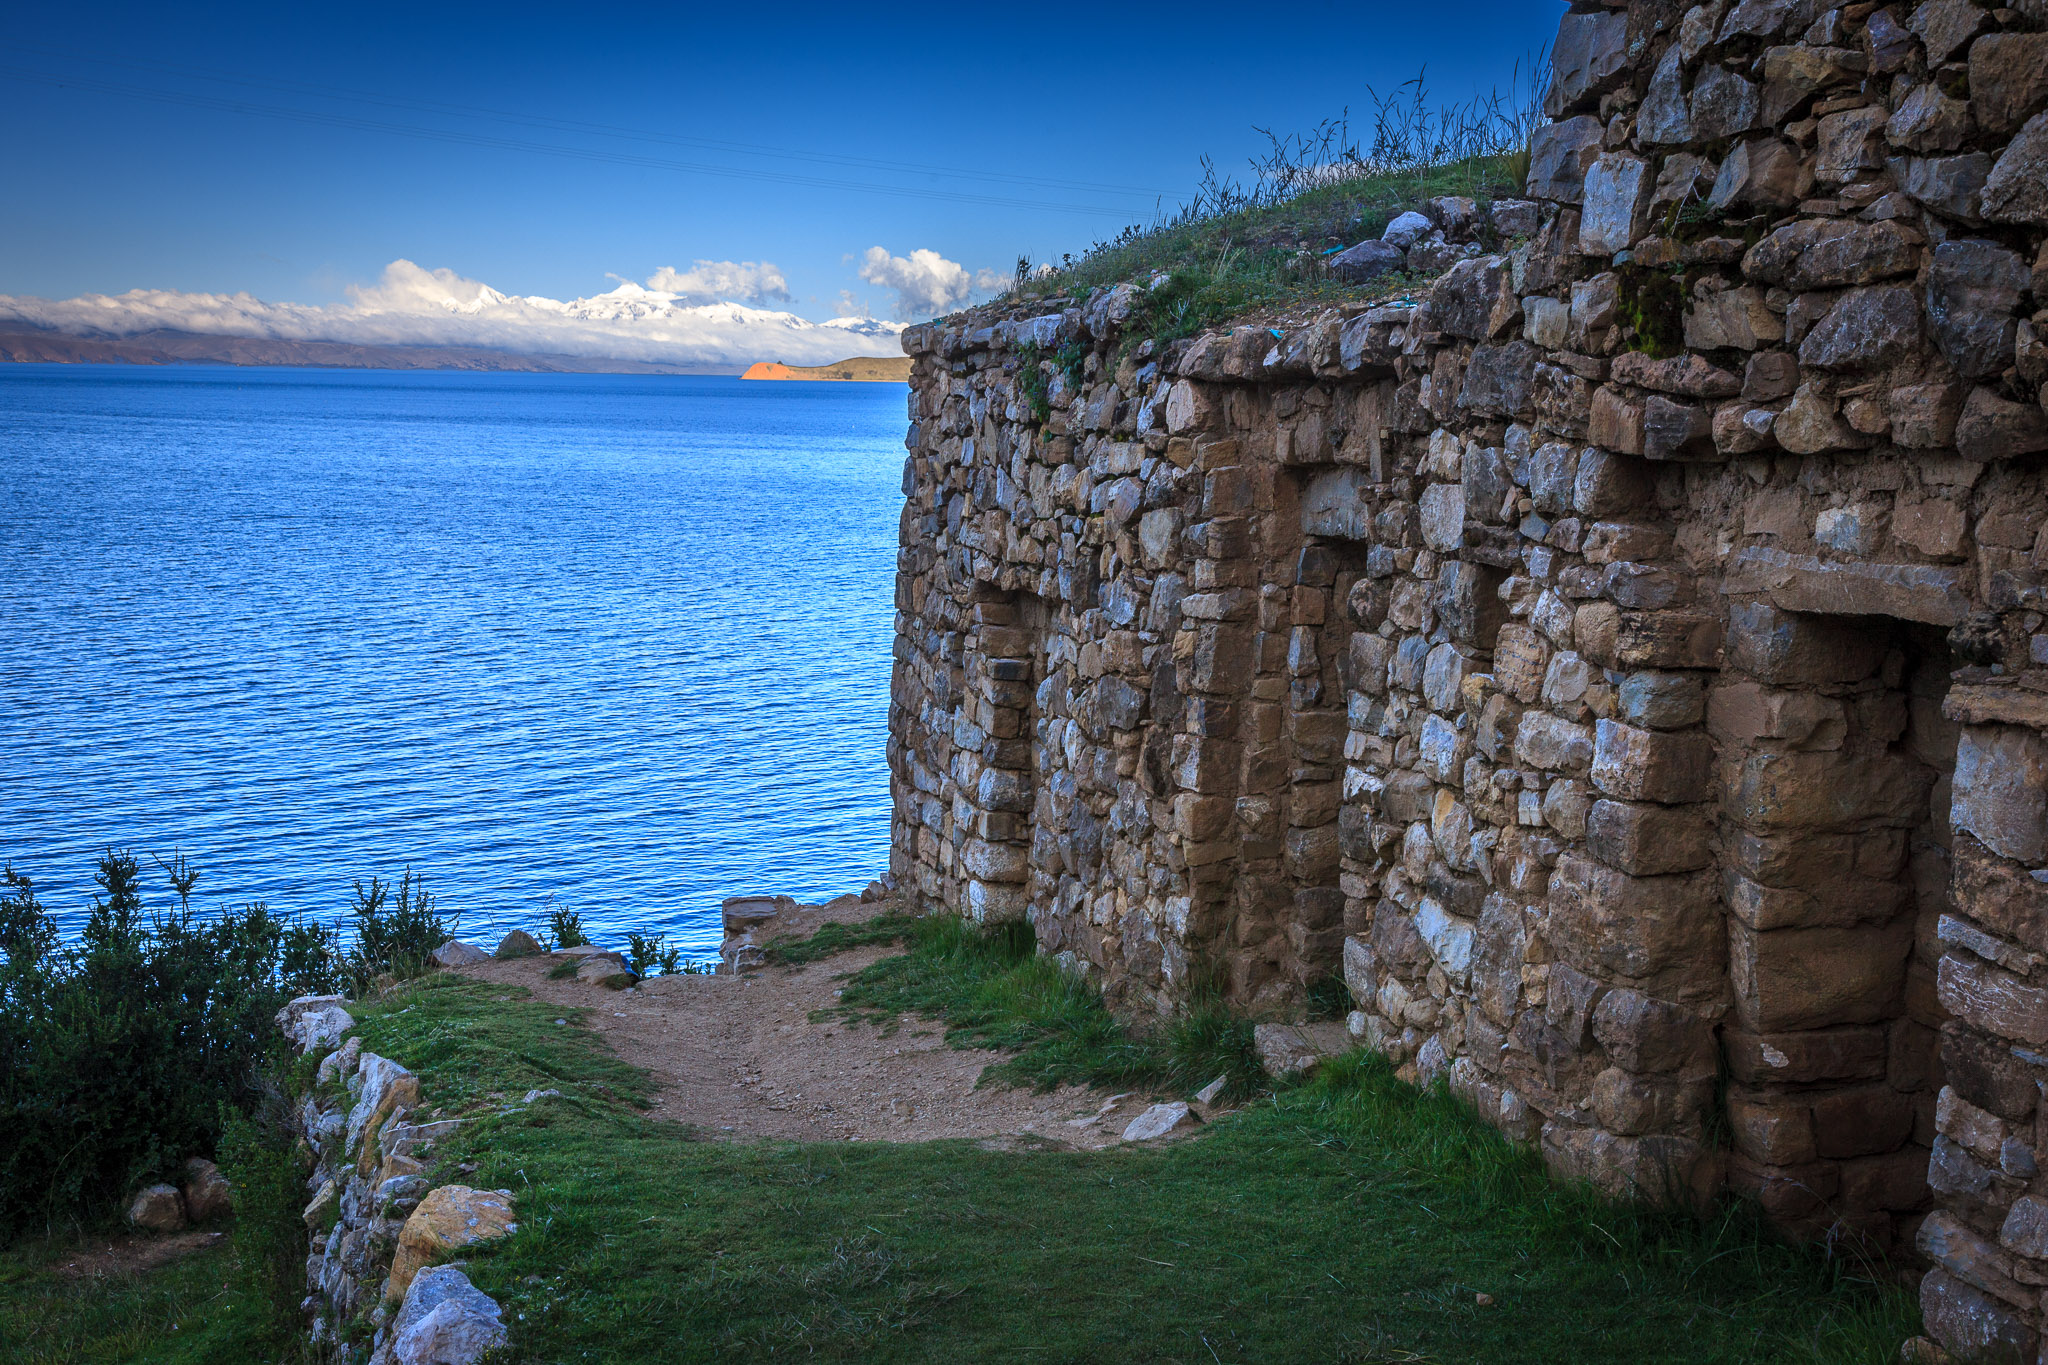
[450, 1217]
[518, 943]
[2008, 79]
[1161, 1120]
[444, 1320]
[157, 1208]
[1406, 230]
[605, 969]
[1559, 154]
[456, 953]
[207, 1195]
[1368, 260]
[742, 913]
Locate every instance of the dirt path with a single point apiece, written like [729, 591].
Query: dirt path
[739, 1055]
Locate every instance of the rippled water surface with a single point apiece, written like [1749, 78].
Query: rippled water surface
[622, 641]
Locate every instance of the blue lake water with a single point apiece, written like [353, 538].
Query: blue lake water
[618, 641]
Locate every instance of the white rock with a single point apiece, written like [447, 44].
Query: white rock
[445, 1320]
[1213, 1091]
[1405, 231]
[1160, 1120]
[311, 1021]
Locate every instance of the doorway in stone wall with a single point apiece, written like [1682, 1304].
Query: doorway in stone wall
[1834, 862]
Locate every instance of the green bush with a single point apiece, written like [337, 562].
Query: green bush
[262, 1163]
[120, 1052]
[565, 927]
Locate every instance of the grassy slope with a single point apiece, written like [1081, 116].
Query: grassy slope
[1349, 1219]
[1258, 262]
[186, 1313]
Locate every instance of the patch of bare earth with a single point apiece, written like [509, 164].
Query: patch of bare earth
[740, 1056]
[131, 1253]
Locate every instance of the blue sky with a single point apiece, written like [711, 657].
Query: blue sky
[108, 190]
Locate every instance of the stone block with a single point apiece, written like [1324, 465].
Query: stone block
[1973, 294]
[1615, 203]
[1807, 1057]
[1661, 701]
[2016, 191]
[1973, 1325]
[1642, 1033]
[1776, 1130]
[2000, 791]
[1647, 840]
[1831, 253]
[1992, 999]
[1826, 791]
[1550, 743]
[1863, 1121]
[1867, 329]
[1660, 931]
[1587, 57]
[1816, 978]
[1651, 765]
[1559, 155]
[1996, 893]
[2008, 79]
[1784, 648]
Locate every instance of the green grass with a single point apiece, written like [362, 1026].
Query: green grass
[995, 990]
[1349, 1219]
[189, 1312]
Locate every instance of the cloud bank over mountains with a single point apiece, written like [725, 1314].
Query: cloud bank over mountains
[680, 317]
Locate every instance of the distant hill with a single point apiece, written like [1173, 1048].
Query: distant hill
[190, 348]
[860, 370]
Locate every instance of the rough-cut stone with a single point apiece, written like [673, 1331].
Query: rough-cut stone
[2017, 189]
[1827, 253]
[2001, 790]
[314, 1021]
[1559, 154]
[1615, 205]
[1868, 329]
[1588, 56]
[1973, 292]
[2008, 79]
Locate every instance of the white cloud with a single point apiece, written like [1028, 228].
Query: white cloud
[925, 283]
[852, 307]
[413, 306]
[710, 281]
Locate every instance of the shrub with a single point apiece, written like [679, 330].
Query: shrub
[645, 955]
[566, 928]
[394, 937]
[120, 1053]
[260, 1159]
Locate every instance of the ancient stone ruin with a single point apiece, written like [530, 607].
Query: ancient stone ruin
[1622, 662]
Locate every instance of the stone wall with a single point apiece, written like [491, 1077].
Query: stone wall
[1623, 664]
[375, 1218]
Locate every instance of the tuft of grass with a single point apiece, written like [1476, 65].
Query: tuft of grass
[993, 989]
[834, 939]
[563, 970]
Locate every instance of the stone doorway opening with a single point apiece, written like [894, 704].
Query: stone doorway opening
[1834, 861]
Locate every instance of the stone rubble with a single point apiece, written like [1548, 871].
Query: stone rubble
[1623, 665]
